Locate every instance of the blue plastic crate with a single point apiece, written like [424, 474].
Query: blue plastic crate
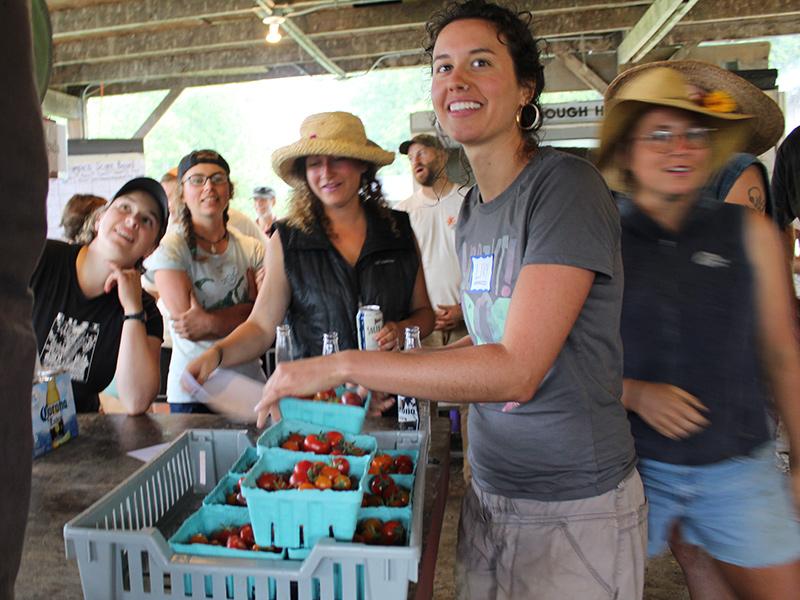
[276, 434]
[343, 417]
[278, 516]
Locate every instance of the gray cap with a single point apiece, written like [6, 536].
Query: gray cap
[263, 191]
[431, 141]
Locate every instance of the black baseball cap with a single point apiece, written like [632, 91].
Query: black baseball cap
[431, 141]
[197, 157]
[153, 188]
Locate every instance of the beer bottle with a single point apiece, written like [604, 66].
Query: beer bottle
[53, 402]
[408, 407]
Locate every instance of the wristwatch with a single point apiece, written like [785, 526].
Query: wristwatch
[139, 316]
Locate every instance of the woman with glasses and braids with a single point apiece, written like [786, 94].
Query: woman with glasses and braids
[709, 340]
[205, 271]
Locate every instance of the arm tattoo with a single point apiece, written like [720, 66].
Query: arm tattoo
[757, 198]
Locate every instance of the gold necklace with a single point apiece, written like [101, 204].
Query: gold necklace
[212, 242]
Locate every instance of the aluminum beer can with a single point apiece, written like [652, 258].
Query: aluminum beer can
[369, 321]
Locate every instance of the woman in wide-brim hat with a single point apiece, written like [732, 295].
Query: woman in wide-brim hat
[743, 179]
[707, 330]
[339, 248]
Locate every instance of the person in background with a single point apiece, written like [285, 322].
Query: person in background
[433, 211]
[556, 508]
[339, 247]
[708, 333]
[786, 186]
[90, 313]
[743, 179]
[205, 271]
[77, 211]
[264, 203]
[23, 180]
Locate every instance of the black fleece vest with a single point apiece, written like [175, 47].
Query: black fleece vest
[689, 319]
[327, 291]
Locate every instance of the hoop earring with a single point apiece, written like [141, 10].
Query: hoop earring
[534, 122]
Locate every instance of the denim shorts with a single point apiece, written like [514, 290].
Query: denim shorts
[739, 510]
[587, 549]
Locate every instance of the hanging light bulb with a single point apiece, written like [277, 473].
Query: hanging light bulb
[274, 31]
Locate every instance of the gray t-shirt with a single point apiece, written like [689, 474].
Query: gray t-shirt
[572, 439]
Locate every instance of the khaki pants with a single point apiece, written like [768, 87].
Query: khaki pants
[589, 549]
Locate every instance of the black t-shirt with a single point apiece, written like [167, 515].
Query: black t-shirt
[786, 180]
[80, 334]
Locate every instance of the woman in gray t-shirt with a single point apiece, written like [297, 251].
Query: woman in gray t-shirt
[556, 508]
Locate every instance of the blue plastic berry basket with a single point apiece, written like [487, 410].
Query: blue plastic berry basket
[298, 518]
[330, 415]
[246, 461]
[209, 519]
[226, 485]
[276, 434]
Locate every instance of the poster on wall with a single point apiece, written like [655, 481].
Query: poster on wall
[98, 167]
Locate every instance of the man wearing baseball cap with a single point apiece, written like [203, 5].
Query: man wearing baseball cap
[433, 210]
[264, 202]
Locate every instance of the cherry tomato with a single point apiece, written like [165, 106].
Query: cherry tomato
[334, 437]
[306, 485]
[237, 543]
[323, 482]
[392, 533]
[221, 536]
[330, 472]
[379, 483]
[396, 497]
[370, 530]
[314, 444]
[341, 482]
[403, 464]
[342, 464]
[198, 538]
[371, 500]
[246, 533]
[382, 463]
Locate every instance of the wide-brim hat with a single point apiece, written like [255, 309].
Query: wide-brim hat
[667, 87]
[328, 134]
[768, 120]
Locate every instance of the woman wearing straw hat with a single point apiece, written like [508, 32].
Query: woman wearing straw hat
[340, 247]
[205, 271]
[556, 508]
[743, 179]
[707, 328]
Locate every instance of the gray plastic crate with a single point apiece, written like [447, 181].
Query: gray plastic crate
[122, 553]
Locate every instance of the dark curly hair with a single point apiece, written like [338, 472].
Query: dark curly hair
[305, 208]
[513, 31]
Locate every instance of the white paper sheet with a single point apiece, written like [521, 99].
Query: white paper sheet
[149, 453]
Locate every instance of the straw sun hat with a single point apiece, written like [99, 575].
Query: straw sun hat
[768, 123]
[638, 89]
[329, 134]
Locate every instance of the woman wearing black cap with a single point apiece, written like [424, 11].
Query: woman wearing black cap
[87, 327]
[205, 271]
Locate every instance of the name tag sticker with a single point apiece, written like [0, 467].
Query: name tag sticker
[481, 273]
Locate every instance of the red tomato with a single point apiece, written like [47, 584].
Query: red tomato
[382, 463]
[392, 533]
[352, 398]
[314, 444]
[334, 437]
[292, 445]
[342, 464]
[246, 533]
[330, 471]
[237, 543]
[306, 485]
[221, 536]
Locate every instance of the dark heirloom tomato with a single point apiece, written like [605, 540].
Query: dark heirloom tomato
[380, 483]
[246, 533]
[403, 464]
[392, 533]
[371, 500]
[370, 530]
[396, 497]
